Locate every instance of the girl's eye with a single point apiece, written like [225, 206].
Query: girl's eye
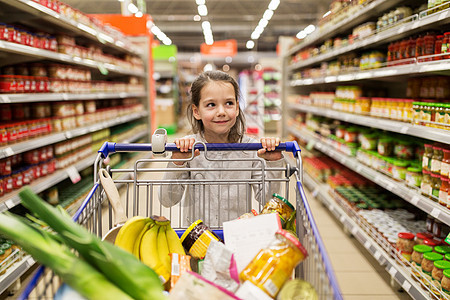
[210, 105]
[231, 103]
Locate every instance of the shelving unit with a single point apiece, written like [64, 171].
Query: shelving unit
[390, 77]
[31, 14]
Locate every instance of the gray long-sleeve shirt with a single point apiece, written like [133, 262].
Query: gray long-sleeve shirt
[217, 195]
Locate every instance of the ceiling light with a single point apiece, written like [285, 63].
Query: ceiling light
[228, 59]
[200, 2]
[310, 29]
[263, 23]
[197, 18]
[139, 14]
[202, 10]
[326, 14]
[268, 14]
[167, 41]
[208, 67]
[259, 29]
[155, 30]
[132, 8]
[255, 35]
[273, 5]
[251, 59]
[250, 44]
[301, 35]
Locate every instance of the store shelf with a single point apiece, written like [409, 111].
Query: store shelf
[39, 97]
[396, 32]
[373, 9]
[72, 26]
[12, 199]
[402, 276]
[441, 66]
[410, 195]
[15, 272]
[62, 136]
[60, 57]
[434, 134]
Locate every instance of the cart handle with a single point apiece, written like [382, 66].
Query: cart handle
[109, 147]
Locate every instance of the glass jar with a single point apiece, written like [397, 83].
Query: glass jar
[425, 186]
[436, 160]
[427, 266]
[445, 163]
[442, 250]
[404, 149]
[369, 141]
[437, 274]
[427, 155]
[422, 236]
[416, 259]
[351, 135]
[445, 47]
[399, 169]
[443, 192]
[273, 265]
[404, 246]
[435, 186]
[385, 146]
[279, 205]
[413, 176]
[445, 284]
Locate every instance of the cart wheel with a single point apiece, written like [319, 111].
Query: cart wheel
[395, 285]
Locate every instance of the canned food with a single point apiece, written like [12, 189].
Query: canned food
[196, 239]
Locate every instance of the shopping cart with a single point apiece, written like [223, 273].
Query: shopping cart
[142, 186]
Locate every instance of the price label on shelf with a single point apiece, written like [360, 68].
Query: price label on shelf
[5, 99]
[377, 255]
[404, 129]
[392, 271]
[30, 261]
[9, 203]
[354, 230]
[435, 212]
[342, 219]
[406, 286]
[73, 174]
[415, 200]
[310, 145]
[443, 15]
[367, 245]
[101, 67]
[8, 151]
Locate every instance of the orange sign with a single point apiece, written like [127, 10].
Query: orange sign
[220, 48]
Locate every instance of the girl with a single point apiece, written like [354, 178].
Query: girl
[216, 117]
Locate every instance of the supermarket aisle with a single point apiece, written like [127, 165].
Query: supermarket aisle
[359, 275]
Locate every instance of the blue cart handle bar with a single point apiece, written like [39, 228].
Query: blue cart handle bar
[109, 147]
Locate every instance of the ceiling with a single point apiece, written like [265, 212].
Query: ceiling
[230, 19]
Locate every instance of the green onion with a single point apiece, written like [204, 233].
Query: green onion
[120, 267]
[48, 251]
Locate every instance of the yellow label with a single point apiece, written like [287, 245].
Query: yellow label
[435, 287]
[201, 245]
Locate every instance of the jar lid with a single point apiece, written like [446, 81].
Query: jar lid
[432, 256]
[442, 264]
[422, 248]
[5, 246]
[193, 225]
[442, 249]
[290, 237]
[414, 169]
[424, 235]
[284, 200]
[444, 178]
[435, 175]
[400, 163]
[430, 242]
[406, 235]
[426, 172]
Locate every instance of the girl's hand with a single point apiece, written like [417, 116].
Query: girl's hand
[267, 152]
[185, 146]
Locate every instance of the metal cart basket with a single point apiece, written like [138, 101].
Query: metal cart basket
[244, 176]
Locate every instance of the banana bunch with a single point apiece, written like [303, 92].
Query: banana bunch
[151, 240]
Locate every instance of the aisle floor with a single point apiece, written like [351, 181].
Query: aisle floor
[359, 275]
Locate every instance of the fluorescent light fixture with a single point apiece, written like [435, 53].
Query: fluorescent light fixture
[228, 59]
[132, 8]
[200, 2]
[250, 44]
[155, 30]
[197, 18]
[310, 29]
[206, 25]
[273, 5]
[263, 23]
[255, 35]
[326, 14]
[167, 41]
[251, 59]
[301, 35]
[259, 29]
[202, 10]
[139, 14]
[209, 41]
[208, 67]
[268, 14]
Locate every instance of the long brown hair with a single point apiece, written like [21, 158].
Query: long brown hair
[237, 131]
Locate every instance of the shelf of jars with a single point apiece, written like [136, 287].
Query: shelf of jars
[68, 165]
[372, 240]
[67, 18]
[434, 134]
[350, 17]
[402, 29]
[49, 139]
[104, 67]
[411, 67]
[47, 97]
[408, 193]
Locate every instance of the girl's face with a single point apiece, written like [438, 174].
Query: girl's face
[218, 110]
